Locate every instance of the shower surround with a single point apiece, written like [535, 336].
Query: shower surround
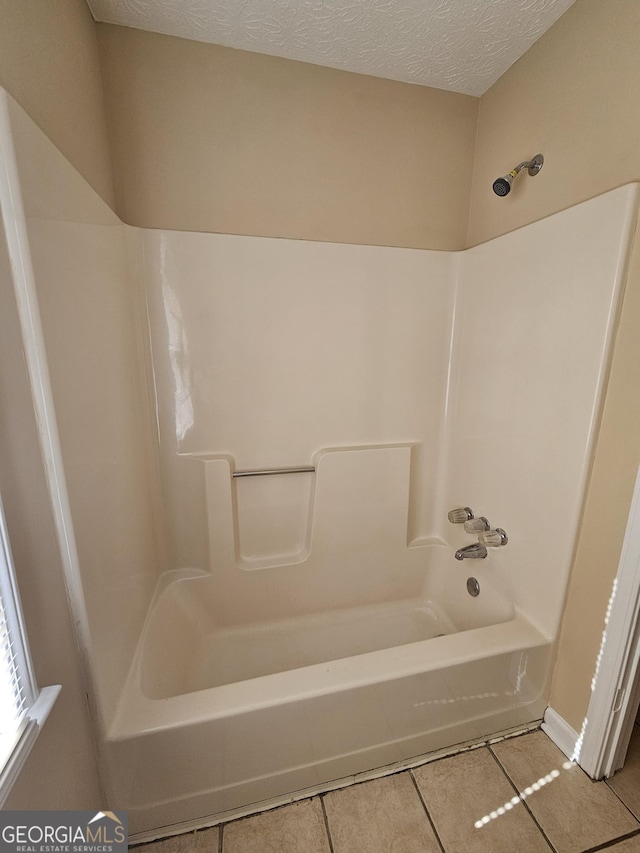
[246, 638]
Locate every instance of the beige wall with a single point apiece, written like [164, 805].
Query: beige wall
[206, 138]
[575, 96]
[49, 63]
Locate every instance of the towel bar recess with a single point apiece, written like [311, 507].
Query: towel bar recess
[306, 469]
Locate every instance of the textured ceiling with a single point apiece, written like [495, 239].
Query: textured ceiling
[459, 45]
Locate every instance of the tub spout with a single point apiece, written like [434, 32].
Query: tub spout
[471, 552]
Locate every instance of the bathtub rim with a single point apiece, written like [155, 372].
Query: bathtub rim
[138, 714]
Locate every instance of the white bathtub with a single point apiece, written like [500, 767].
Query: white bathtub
[313, 699]
[413, 381]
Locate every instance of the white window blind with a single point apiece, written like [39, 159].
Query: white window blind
[23, 709]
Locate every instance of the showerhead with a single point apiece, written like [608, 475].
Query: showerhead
[502, 186]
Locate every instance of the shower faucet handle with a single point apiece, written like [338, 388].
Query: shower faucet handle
[493, 538]
[477, 525]
[460, 515]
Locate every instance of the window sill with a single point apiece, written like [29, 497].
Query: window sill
[31, 728]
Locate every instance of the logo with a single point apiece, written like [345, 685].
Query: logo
[63, 832]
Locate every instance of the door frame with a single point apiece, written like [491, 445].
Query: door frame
[601, 747]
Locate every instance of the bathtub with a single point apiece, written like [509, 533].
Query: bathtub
[216, 720]
[327, 631]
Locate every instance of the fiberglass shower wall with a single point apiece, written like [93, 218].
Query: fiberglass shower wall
[535, 317]
[279, 353]
[97, 430]
[470, 378]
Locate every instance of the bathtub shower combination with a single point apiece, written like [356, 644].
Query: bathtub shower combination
[254, 446]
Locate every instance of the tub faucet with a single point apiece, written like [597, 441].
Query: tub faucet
[471, 552]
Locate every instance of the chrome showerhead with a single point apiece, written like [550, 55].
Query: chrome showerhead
[502, 186]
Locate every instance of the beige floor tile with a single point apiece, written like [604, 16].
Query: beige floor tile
[466, 788]
[574, 812]
[203, 841]
[626, 782]
[380, 816]
[298, 828]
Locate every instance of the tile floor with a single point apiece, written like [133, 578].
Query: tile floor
[517, 795]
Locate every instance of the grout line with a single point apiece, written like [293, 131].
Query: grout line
[529, 729]
[326, 824]
[522, 799]
[608, 844]
[617, 795]
[426, 811]
[259, 812]
[613, 790]
[220, 831]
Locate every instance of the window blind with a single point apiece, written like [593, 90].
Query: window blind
[23, 708]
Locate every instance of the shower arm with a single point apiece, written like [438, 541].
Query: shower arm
[502, 185]
[533, 166]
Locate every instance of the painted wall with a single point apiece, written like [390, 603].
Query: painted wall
[49, 64]
[206, 138]
[575, 97]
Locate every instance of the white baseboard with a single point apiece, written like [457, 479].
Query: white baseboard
[560, 732]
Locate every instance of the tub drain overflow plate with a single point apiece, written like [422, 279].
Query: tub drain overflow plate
[473, 587]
